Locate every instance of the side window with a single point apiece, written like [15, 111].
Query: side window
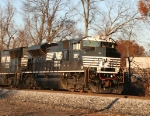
[103, 45]
[76, 46]
[107, 45]
[111, 45]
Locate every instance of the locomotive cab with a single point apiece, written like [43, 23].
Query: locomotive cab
[100, 47]
[101, 55]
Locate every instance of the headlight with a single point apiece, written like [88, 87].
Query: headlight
[117, 69]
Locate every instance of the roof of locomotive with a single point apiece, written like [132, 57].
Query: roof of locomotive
[16, 49]
[77, 39]
[36, 47]
[93, 38]
[4, 53]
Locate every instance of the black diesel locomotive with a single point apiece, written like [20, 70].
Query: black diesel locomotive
[83, 64]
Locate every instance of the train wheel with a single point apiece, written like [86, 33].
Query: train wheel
[72, 90]
[81, 91]
[89, 91]
[11, 86]
[92, 87]
[39, 88]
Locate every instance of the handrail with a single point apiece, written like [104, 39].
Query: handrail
[88, 70]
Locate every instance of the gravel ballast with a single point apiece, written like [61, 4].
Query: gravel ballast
[124, 106]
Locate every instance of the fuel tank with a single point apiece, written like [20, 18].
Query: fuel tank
[52, 81]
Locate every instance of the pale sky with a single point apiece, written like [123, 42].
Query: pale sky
[143, 37]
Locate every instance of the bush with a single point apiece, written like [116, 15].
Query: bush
[141, 86]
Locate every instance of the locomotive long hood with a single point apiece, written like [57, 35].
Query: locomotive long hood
[78, 39]
[16, 52]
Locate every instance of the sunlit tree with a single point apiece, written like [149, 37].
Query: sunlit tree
[7, 25]
[144, 7]
[132, 48]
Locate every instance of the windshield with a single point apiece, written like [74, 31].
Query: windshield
[90, 43]
[107, 45]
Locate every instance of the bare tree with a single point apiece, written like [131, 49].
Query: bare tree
[7, 29]
[89, 12]
[45, 19]
[21, 39]
[86, 10]
[69, 30]
[117, 19]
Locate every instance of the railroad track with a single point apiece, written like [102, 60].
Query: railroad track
[83, 93]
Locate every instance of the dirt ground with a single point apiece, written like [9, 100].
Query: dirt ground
[20, 108]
